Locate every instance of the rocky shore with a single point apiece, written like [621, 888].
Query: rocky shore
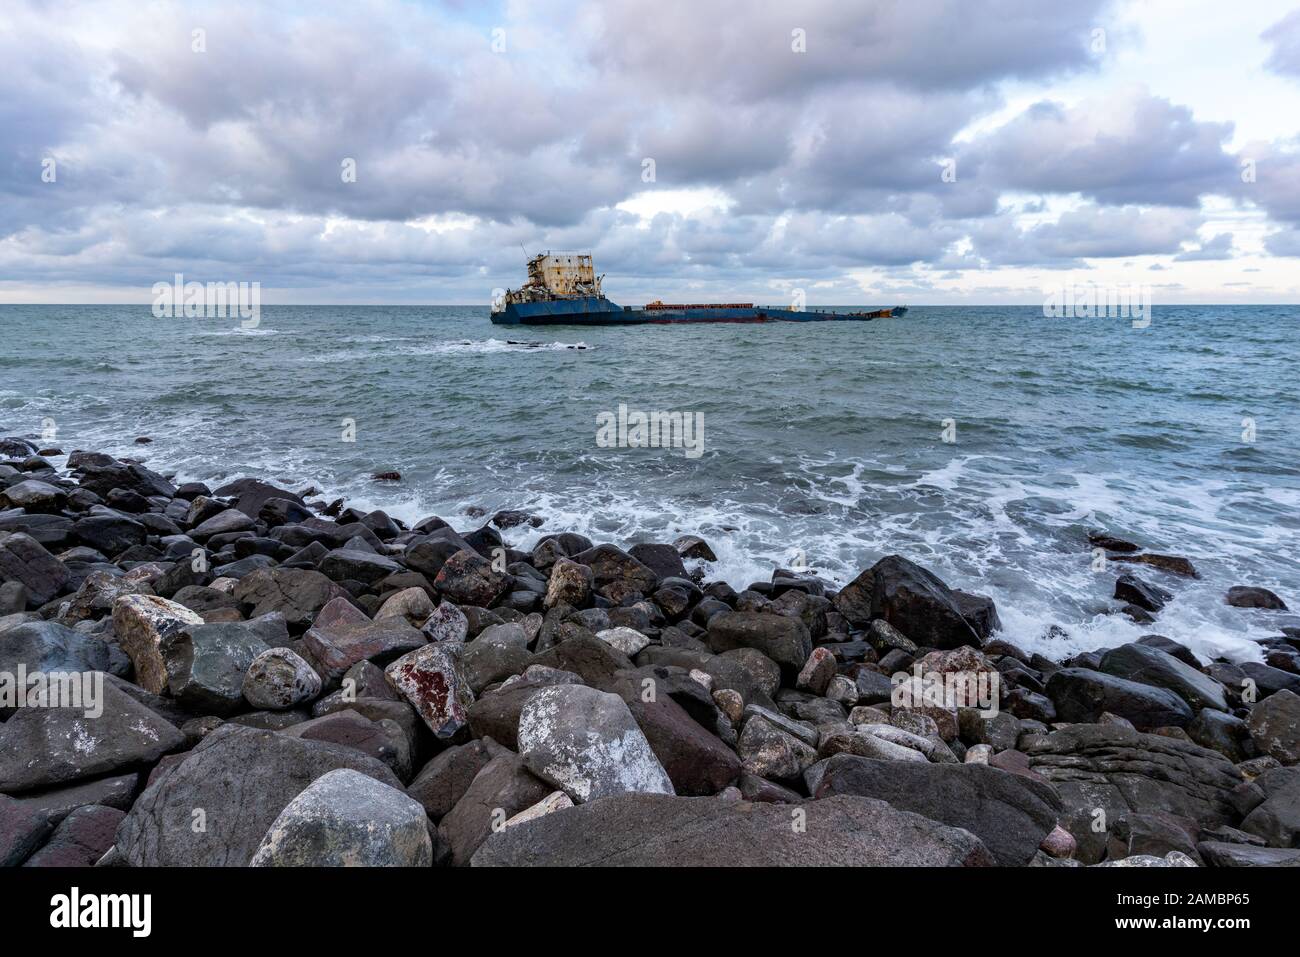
[269, 679]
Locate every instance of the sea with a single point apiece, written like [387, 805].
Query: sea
[982, 442]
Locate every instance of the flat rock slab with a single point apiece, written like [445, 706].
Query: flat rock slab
[44, 747]
[651, 830]
[239, 780]
[1123, 771]
[1011, 814]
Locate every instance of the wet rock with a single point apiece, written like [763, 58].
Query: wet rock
[223, 523]
[1134, 591]
[83, 837]
[23, 559]
[33, 495]
[241, 779]
[296, 593]
[468, 579]
[1274, 725]
[1081, 695]
[1151, 666]
[587, 743]
[692, 546]
[913, 600]
[1174, 564]
[278, 679]
[353, 564]
[1220, 732]
[44, 747]
[251, 494]
[865, 742]
[1247, 596]
[663, 560]
[645, 830]
[433, 680]
[117, 791]
[145, 624]
[1010, 814]
[611, 565]
[1110, 543]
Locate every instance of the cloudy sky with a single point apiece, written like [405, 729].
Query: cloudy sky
[880, 151]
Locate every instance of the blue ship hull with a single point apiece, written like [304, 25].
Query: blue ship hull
[598, 311]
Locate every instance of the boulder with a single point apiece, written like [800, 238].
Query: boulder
[296, 593]
[145, 624]
[570, 583]
[1134, 591]
[770, 751]
[1247, 596]
[412, 604]
[629, 641]
[433, 680]
[278, 679]
[206, 665]
[110, 533]
[650, 830]
[44, 747]
[33, 495]
[240, 779]
[1121, 771]
[1082, 695]
[347, 819]
[1274, 725]
[444, 780]
[469, 579]
[1276, 819]
[24, 559]
[98, 591]
[223, 523]
[251, 494]
[784, 640]
[353, 564]
[1009, 813]
[498, 652]
[587, 743]
[611, 565]
[342, 635]
[1151, 666]
[22, 828]
[502, 789]
[913, 600]
[48, 646]
[81, 839]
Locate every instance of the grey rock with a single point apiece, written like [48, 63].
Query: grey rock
[347, 819]
[24, 559]
[647, 830]
[587, 743]
[1151, 666]
[277, 679]
[1010, 813]
[241, 779]
[1274, 725]
[1081, 695]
